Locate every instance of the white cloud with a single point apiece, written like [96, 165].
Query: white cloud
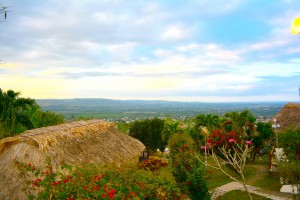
[175, 33]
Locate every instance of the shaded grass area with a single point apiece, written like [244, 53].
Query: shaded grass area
[241, 195]
[268, 183]
[218, 178]
[263, 179]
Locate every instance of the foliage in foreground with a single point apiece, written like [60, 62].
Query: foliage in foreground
[95, 182]
[189, 173]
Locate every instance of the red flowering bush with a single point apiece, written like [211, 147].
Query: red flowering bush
[95, 182]
[220, 138]
[155, 164]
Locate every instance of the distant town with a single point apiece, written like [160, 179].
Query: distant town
[126, 111]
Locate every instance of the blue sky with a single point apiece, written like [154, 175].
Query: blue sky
[204, 50]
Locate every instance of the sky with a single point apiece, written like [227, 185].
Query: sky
[179, 50]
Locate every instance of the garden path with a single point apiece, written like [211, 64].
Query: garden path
[237, 186]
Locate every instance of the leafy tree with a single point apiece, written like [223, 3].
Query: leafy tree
[210, 121]
[241, 122]
[290, 141]
[170, 128]
[189, 173]
[42, 119]
[149, 132]
[264, 133]
[18, 114]
[13, 110]
[197, 136]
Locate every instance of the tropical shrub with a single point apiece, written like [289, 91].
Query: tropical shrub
[154, 164]
[18, 114]
[290, 141]
[221, 138]
[149, 132]
[189, 173]
[197, 183]
[290, 171]
[95, 182]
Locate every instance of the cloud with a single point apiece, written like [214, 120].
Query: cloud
[175, 33]
[155, 49]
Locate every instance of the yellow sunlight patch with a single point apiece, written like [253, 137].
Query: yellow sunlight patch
[4, 65]
[296, 26]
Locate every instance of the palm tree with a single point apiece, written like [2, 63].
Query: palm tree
[170, 129]
[210, 121]
[240, 121]
[14, 110]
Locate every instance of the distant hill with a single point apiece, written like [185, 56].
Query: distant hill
[108, 108]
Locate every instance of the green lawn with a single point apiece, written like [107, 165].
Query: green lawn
[218, 178]
[256, 174]
[237, 194]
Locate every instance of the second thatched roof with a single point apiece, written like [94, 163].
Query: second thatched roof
[93, 141]
[288, 116]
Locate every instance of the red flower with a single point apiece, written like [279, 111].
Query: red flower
[134, 194]
[248, 143]
[231, 140]
[96, 188]
[35, 182]
[208, 144]
[111, 193]
[29, 165]
[56, 183]
[85, 187]
[188, 183]
[66, 180]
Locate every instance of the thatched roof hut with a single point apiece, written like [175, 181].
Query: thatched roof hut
[288, 116]
[93, 141]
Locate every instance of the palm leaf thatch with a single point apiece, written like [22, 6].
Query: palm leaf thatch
[288, 116]
[93, 141]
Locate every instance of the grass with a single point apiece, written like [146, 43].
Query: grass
[241, 196]
[218, 178]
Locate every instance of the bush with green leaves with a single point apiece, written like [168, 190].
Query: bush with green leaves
[290, 141]
[189, 173]
[149, 132]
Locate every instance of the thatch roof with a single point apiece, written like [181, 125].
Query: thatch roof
[288, 116]
[93, 141]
